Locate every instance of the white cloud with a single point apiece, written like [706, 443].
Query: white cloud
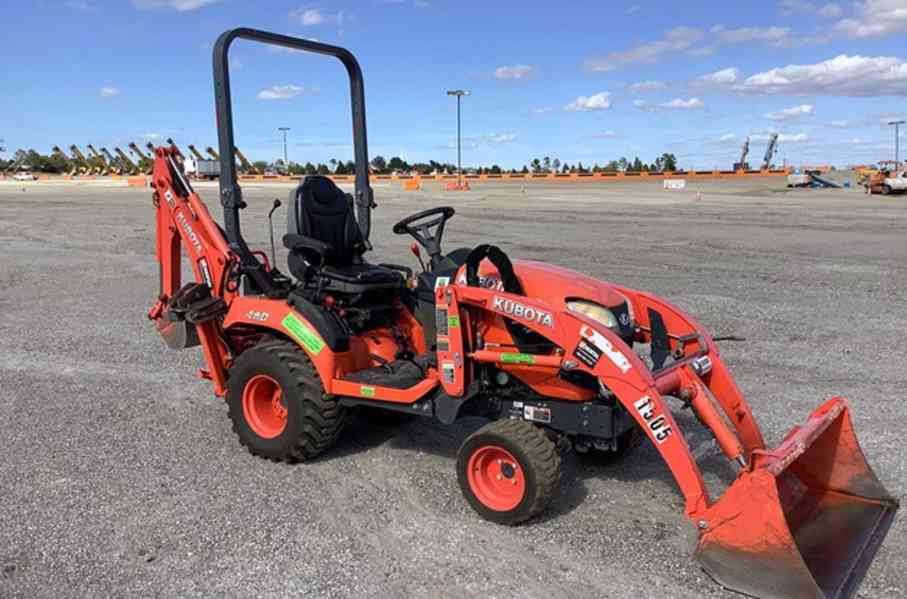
[701, 51]
[633, 9]
[727, 137]
[681, 104]
[151, 136]
[108, 91]
[514, 72]
[844, 124]
[799, 7]
[790, 113]
[840, 76]
[675, 104]
[674, 40]
[284, 92]
[830, 11]
[599, 101]
[789, 138]
[876, 18]
[722, 77]
[486, 140]
[177, 5]
[772, 35]
[309, 16]
[82, 6]
[647, 86]
[609, 134]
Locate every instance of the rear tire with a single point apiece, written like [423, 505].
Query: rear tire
[508, 471]
[278, 406]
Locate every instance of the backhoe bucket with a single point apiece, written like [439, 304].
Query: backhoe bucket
[805, 520]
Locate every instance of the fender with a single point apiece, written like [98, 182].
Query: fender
[280, 317]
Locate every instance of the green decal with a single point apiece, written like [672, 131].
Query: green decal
[367, 391]
[303, 333]
[515, 358]
[453, 322]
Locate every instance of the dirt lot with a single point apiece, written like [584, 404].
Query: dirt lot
[120, 476]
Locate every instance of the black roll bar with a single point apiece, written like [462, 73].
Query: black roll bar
[230, 191]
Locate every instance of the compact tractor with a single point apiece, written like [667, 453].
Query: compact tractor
[551, 358]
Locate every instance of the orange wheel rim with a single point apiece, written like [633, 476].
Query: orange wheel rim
[263, 406]
[496, 478]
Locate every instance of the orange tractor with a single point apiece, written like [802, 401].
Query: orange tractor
[552, 358]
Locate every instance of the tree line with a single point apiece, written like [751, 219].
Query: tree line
[380, 165]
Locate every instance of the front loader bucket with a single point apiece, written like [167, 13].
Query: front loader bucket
[805, 520]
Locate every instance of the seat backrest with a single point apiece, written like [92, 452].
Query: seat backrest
[321, 210]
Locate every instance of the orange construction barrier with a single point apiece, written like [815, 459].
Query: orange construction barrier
[414, 184]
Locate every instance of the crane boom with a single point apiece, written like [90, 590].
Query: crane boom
[90, 167]
[770, 151]
[100, 164]
[742, 165]
[195, 152]
[118, 167]
[244, 165]
[71, 166]
[130, 166]
[145, 162]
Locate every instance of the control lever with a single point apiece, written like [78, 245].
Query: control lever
[414, 248]
[274, 207]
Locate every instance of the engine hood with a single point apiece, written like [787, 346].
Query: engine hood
[552, 284]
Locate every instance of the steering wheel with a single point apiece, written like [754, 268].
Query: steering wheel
[426, 230]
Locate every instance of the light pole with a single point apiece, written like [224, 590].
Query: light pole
[897, 125]
[459, 93]
[286, 163]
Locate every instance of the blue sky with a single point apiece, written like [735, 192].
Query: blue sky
[581, 81]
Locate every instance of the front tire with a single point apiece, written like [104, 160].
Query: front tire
[278, 406]
[508, 471]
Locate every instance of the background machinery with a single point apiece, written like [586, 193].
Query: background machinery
[245, 166]
[101, 166]
[742, 164]
[19, 158]
[70, 167]
[144, 162]
[115, 165]
[130, 166]
[548, 356]
[770, 152]
[89, 166]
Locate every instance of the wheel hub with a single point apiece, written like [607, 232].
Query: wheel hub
[496, 478]
[263, 406]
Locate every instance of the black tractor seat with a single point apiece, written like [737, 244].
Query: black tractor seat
[326, 244]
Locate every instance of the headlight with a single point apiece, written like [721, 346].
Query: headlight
[597, 313]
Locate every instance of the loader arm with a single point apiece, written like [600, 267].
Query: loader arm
[801, 520]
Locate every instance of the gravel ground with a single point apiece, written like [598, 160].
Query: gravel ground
[120, 476]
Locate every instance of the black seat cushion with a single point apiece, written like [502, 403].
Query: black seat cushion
[364, 274]
[321, 210]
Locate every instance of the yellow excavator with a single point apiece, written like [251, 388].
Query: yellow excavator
[102, 167]
[144, 162]
[90, 166]
[130, 166]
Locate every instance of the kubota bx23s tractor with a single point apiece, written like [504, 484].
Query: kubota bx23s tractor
[550, 357]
